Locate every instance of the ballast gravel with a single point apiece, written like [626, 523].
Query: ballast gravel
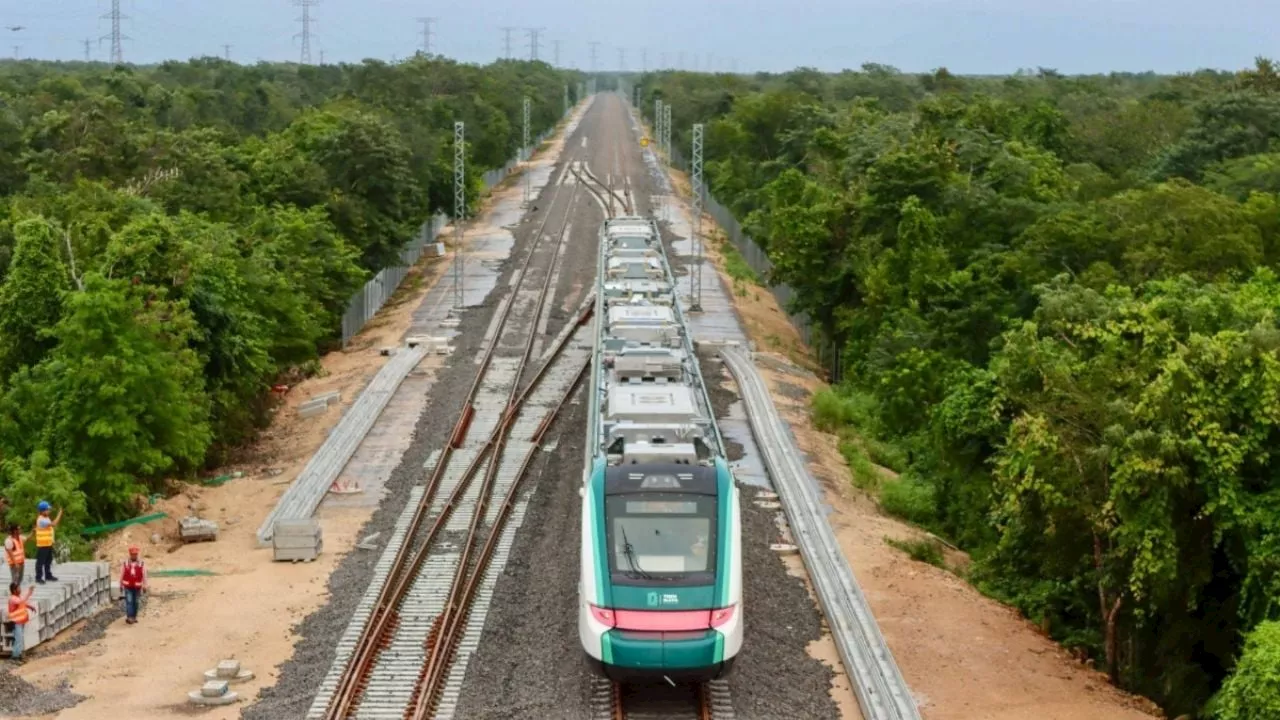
[530, 663]
[300, 677]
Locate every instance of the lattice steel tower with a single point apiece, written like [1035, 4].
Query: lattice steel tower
[695, 273]
[117, 44]
[427, 22]
[666, 130]
[459, 208]
[305, 35]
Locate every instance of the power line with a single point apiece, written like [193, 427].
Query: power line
[117, 46]
[306, 20]
[427, 22]
[506, 41]
[533, 41]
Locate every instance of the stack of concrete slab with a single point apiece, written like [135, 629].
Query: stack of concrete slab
[296, 540]
[193, 529]
[82, 589]
[319, 404]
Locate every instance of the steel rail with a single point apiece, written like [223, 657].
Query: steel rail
[703, 701]
[446, 641]
[604, 204]
[881, 690]
[408, 562]
[441, 642]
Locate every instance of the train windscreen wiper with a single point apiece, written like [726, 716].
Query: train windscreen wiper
[629, 552]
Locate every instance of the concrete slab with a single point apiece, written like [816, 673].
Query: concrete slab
[81, 590]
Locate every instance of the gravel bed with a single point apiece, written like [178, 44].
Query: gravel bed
[529, 663]
[300, 677]
[723, 393]
[19, 697]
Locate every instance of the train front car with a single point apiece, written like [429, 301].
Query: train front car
[661, 576]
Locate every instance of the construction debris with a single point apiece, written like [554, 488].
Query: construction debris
[296, 540]
[193, 529]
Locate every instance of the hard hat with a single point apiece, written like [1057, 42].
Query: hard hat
[42, 506]
[133, 549]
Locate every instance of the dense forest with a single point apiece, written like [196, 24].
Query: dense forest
[174, 239]
[1057, 301]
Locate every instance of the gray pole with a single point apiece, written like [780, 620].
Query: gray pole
[459, 208]
[695, 276]
[666, 131]
[527, 152]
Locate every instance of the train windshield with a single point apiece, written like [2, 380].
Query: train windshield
[662, 537]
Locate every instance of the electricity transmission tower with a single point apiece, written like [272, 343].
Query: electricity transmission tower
[226, 52]
[622, 59]
[117, 45]
[534, 33]
[556, 56]
[306, 21]
[695, 277]
[459, 208]
[666, 130]
[506, 41]
[427, 22]
[663, 65]
[88, 52]
[644, 59]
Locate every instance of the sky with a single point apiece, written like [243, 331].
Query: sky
[965, 36]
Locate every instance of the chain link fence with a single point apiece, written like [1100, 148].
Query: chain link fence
[827, 353]
[369, 300]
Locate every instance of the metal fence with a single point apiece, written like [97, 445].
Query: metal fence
[369, 300]
[828, 353]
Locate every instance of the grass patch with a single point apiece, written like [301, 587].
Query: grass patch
[908, 498]
[736, 266]
[923, 550]
[865, 474]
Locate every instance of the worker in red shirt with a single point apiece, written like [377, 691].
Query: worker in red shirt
[20, 608]
[133, 582]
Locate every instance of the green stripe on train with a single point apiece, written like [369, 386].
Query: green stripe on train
[597, 525]
[724, 519]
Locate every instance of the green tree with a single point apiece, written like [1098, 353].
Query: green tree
[120, 398]
[31, 296]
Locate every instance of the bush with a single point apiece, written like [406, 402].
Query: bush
[1253, 690]
[908, 498]
[922, 550]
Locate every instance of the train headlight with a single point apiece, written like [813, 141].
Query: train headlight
[604, 616]
[722, 616]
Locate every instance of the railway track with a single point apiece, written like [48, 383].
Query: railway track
[405, 653]
[701, 701]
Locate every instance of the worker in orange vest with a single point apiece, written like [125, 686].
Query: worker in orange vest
[20, 608]
[133, 582]
[15, 553]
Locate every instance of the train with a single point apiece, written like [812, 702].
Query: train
[660, 587]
